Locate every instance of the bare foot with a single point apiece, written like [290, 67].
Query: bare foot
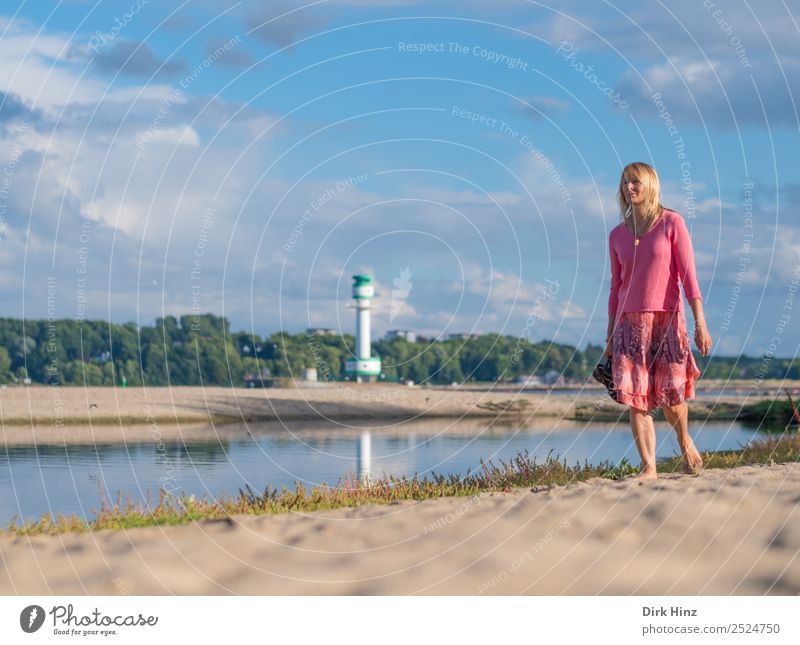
[648, 473]
[693, 466]
[693, 462]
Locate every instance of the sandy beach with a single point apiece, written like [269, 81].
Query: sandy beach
[70, 406]
[724, 532]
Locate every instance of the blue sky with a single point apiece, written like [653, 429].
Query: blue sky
[158, 158]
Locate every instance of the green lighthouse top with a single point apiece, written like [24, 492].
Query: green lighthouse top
[362, 287]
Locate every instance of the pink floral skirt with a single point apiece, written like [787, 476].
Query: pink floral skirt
[652, 362]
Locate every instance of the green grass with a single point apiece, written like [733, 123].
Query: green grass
[521, 471]
[774, 413]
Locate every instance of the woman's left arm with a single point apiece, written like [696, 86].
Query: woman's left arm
[684, 254]
[701, 336]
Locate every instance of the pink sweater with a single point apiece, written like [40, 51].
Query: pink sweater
[645, 277]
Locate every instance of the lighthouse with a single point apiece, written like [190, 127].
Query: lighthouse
[364, 367]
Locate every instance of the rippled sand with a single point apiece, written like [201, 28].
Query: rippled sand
[724, 532]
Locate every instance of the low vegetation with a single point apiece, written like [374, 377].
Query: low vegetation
[769, 414]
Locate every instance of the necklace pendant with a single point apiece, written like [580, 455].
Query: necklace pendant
[636, 243]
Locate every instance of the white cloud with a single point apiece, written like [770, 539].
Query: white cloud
[176, 136]
[638, 30]
[719, 94]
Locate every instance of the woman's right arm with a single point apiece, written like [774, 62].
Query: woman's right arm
[613, 297]
[609, 338]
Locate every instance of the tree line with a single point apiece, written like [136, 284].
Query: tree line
[195, 350]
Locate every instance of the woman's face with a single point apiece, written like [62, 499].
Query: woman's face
[633, 189]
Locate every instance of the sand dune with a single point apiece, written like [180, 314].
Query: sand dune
[725, 532]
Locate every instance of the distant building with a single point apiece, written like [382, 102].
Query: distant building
[407, 334]
[321, 331]
[530, 379]
[554, 377]
[262, 379]
[463, 336]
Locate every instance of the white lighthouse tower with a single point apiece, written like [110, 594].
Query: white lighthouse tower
[364, 367]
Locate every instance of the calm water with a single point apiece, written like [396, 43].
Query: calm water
[71, 478]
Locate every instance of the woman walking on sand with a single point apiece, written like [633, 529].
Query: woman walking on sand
[652, 362]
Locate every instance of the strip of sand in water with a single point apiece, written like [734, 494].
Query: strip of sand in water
[298, 429]
[71, 406]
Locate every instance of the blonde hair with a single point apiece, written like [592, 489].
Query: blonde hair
[651, 207]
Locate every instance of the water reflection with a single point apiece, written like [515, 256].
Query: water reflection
[69, 472]
[364, 455]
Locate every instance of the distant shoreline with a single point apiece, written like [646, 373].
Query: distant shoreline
[49, 406]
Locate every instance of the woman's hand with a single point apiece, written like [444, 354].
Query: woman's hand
[702, 338]
[609, 351]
